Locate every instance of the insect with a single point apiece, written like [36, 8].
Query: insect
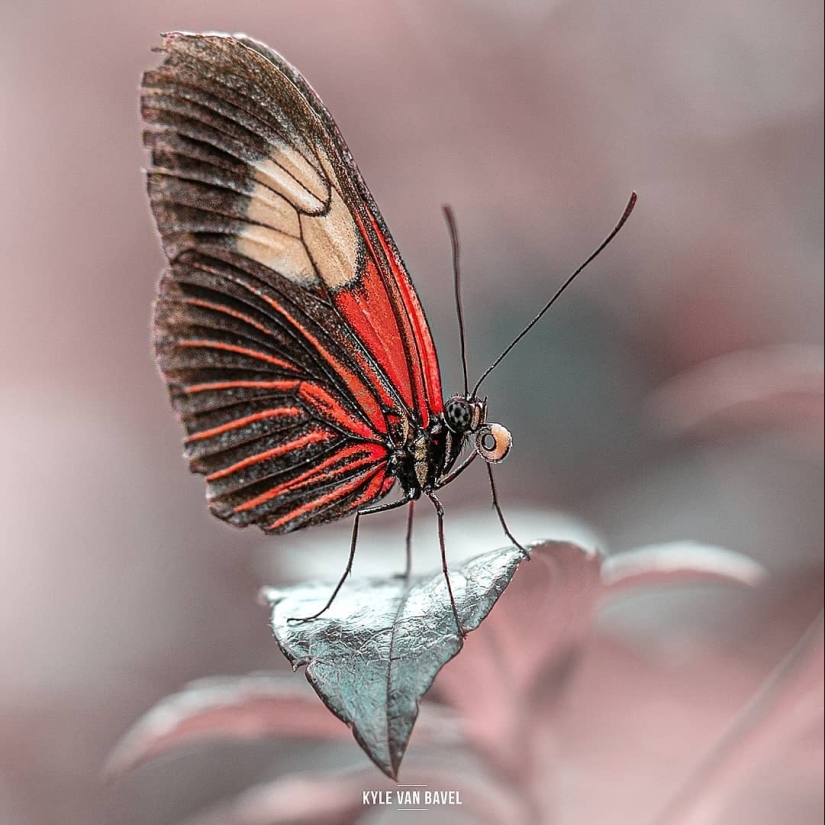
[292, 341]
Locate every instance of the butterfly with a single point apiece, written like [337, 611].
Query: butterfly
[290, 336]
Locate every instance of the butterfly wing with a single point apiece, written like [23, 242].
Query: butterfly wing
[289, 333]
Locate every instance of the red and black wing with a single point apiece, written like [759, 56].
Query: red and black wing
[286, 326]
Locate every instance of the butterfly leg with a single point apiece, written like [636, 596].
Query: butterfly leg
[379, 508]
[408, 541]
[500, 515]
[439, 510]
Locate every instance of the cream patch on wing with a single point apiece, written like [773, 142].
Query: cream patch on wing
[301, 227]
[270, 209]
[287, 172]
[333, 242]
[282, 253]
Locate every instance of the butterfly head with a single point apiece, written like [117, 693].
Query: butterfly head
[466, 415]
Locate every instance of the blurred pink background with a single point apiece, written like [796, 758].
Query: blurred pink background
[534, 120]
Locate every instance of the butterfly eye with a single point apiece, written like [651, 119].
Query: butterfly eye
[458, 413]
[493, 442]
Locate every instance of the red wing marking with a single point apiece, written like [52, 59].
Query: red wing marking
[423, 340]
[239, 316]
[317, 400]
[320, 402]
[284, 386]
[357, 388]
[387, 315]
[337, 493]
[389, 481]
[282, 449]
[249, 353]
[369, 455]
[367, 308]
[371, 308]
[238, 423]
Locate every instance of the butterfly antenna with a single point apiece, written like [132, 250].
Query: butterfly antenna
[459, 307]
[628, 209]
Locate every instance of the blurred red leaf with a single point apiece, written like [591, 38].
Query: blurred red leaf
[233, 707]
[782, 387]
[236, 708]
[679, 561]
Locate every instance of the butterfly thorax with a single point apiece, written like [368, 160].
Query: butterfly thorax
[426, 456]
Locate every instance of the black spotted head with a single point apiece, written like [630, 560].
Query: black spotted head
[458, 414]
[464, 415]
